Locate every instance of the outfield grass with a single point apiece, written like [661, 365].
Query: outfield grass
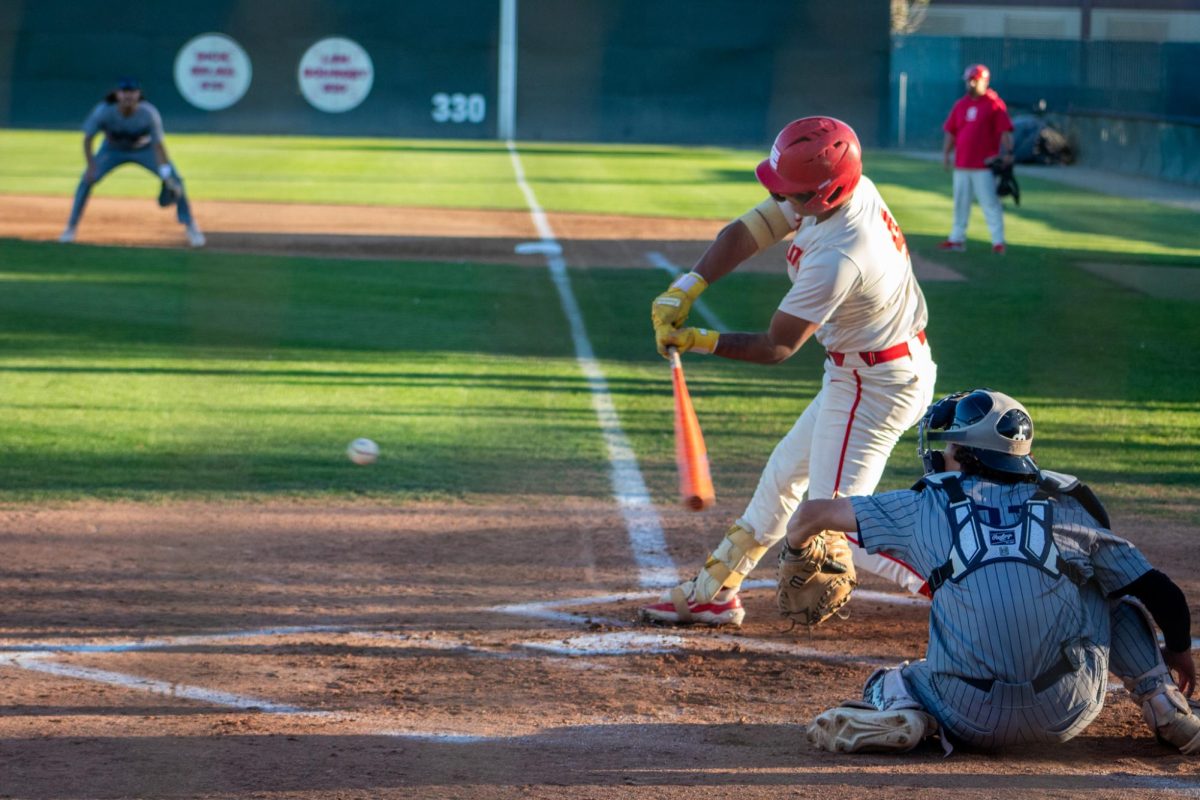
[714, 183]
[152, 374]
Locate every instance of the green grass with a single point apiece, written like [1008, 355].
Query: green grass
[153, 374]
[465, 174]
[713, 183]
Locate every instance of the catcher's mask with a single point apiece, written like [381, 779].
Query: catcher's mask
[994, 427]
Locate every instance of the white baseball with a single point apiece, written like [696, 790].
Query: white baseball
[362, 451]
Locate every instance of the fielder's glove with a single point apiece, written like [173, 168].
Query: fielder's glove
[170, 192]
[702, 340]
[670, 309]
[816, 580]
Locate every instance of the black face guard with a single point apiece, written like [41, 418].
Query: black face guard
[937, 418]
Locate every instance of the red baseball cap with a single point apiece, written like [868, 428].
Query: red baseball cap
[977, 71]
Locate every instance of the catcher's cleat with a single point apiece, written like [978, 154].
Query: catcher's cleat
[67, 236]
[724, 609]
[847, 729]
[953, 246]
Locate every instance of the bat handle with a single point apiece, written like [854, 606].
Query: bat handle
[673, 352]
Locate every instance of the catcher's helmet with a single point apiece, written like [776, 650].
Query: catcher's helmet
[817, 155]
[995, 428]
[976, 72]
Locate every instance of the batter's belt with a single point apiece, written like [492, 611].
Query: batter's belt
[880, 356]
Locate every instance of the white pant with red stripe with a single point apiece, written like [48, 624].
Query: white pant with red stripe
[840, 445]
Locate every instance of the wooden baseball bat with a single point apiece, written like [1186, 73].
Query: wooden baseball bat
[691, 456]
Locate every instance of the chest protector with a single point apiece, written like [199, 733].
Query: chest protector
[1030, 540]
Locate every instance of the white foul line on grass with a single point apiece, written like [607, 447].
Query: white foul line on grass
[667, 265]
[655, 566]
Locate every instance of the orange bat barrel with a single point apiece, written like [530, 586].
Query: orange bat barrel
[691, 456]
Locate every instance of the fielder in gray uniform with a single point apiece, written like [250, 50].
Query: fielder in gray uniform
[133, 133]
[1034, 599]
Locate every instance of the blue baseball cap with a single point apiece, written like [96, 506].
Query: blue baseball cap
[128, 84]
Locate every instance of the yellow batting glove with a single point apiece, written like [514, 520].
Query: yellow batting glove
[672, 306]
[702, 340]
[661, 332]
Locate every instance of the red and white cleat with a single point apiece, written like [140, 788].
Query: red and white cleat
[953, 246]
[999, 249]
[724, 609]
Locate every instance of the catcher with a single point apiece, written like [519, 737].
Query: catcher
[133, 133]
[1034, 601]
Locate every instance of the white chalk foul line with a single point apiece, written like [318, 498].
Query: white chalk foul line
[41, 648]
[662, 262]
[625, 642]
[655, 566]
[35, 657]
[38, 663]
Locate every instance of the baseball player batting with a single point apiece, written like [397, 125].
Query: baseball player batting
[853, 289]
[1034, 601]
[133, 133]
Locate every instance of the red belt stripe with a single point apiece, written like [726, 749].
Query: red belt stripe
[880, 356]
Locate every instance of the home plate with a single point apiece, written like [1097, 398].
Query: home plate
[531, 248]
[611, 644]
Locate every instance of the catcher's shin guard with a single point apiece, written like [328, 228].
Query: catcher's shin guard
[1168, 714]
[854, 729]
[735, 557]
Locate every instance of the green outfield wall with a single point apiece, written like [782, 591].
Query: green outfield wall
[704, 71]
[1127, 106]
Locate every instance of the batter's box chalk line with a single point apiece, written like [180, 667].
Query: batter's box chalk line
[40, 656]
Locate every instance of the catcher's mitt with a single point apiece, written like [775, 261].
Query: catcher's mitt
[170, 192]
[816, 580]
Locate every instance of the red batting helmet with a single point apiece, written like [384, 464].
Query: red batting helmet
[975, 72]
[820, 155]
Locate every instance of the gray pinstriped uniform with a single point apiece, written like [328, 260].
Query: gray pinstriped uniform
[1009, 623]
[126, 139]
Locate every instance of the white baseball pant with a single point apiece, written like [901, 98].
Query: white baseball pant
[840, 446]
[981, 183]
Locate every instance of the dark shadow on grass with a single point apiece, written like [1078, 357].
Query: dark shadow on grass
[711, 389]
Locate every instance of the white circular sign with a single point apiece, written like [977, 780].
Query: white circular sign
[212, 71]
[336, 75]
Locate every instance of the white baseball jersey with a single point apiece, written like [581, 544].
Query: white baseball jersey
[852, 273]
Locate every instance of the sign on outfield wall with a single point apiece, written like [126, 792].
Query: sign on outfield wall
[212, 71]
[336, 75]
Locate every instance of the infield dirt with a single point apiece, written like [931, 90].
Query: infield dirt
[390, 635]
[379, 232]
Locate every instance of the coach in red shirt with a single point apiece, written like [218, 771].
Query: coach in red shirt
[977, 129]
